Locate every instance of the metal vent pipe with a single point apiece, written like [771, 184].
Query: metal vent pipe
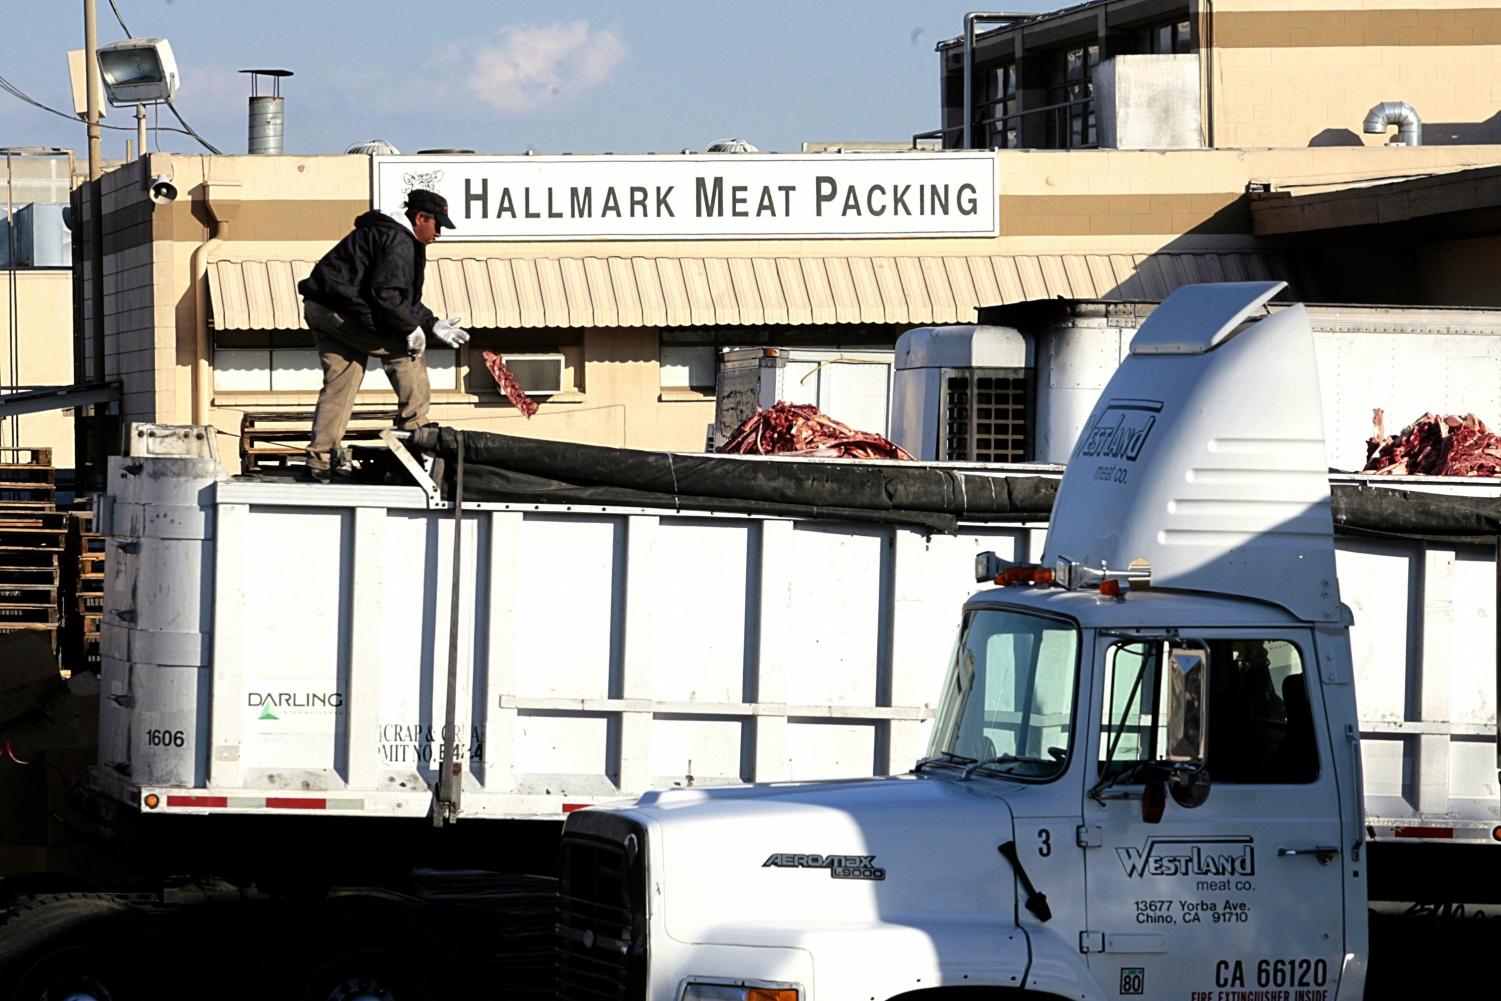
[1398, 113]
[267, 113]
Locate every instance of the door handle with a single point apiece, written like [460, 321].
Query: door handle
[1324, 853]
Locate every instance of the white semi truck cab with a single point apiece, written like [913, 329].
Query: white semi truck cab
[1144, 774]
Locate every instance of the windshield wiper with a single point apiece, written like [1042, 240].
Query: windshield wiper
[943, 758]
[1005, 759]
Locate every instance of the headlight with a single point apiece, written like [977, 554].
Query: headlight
[730, 992]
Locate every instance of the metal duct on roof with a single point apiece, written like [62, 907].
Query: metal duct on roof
[1401, 114]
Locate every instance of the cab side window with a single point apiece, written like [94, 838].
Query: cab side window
[1260, 726]
[1131, 726]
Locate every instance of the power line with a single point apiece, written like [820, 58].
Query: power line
[21, 95]
[206, 144]
[186, 128]
[128, 33]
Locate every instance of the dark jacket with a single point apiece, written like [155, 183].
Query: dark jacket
[374, 275]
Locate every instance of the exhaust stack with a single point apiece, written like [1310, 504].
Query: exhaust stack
[267, 112]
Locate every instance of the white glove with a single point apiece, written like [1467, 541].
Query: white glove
[449, 332]
[416, 342]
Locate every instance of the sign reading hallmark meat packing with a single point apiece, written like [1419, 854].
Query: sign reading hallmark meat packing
[702, 196]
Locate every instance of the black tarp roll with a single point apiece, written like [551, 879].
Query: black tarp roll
[502, 468]
[1376, 509]
[505, 468]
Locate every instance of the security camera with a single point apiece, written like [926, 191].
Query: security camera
[162, 189]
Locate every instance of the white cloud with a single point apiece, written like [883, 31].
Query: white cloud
[527, 68]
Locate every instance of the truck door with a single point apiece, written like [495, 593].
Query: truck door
[1241, 892]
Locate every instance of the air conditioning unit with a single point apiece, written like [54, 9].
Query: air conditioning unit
[42, 239]
[537, 375]
[964, 394]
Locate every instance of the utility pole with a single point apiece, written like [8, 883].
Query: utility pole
[96, 242]
[91, 84]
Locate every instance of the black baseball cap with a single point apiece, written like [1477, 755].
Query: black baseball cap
[434, 204]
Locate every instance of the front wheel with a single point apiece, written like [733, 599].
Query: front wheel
[364, 974]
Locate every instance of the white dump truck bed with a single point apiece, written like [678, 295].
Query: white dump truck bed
[284, 647]
[1424, 645]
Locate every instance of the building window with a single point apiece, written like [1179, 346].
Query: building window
[1168, 38]
[1071, 120]
[996, 107]
[688, 366]
[296, 370]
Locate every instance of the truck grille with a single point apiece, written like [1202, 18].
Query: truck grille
[986, 416]
[602, 912]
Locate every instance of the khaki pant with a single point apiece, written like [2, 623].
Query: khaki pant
[344, 345]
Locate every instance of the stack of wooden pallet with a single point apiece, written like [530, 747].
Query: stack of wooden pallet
[83, 592]
[275, 442]
[32, 534]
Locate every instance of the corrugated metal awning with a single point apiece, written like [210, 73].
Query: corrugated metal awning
[502, 292]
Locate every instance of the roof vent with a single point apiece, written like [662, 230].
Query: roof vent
[731, 146]
[267, 113]
[374, 147]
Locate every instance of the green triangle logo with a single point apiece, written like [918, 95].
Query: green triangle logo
[266, 713]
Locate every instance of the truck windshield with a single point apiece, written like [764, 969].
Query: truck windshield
[1008, 700]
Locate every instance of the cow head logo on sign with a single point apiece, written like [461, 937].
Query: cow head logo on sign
[428, 180]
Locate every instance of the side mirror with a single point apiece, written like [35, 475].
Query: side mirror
[1187, 671]
[1187, 726]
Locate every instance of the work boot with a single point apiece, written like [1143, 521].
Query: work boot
[308, 474]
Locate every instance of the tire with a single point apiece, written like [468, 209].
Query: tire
[72, 946]
[366, 974]
[354, 947]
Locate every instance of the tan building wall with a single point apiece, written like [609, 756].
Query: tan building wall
[44, 309]
[1305, 73]
[1088, 224]
[41, 303]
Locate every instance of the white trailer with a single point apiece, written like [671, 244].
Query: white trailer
[284, 647]
[276, 647]
[1022, 381]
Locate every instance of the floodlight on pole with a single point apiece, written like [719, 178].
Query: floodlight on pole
[139, 71]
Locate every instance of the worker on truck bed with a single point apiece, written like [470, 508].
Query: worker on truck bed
[363, 299]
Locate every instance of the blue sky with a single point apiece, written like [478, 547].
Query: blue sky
[510, 75]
